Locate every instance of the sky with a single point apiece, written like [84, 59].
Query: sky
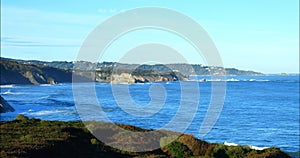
[250, 35]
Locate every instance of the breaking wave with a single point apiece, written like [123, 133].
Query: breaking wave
[8, 92]
[251, 146]
[46, 112]
[7, 86]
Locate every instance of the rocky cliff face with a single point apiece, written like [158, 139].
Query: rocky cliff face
[15, 73]
[4, 106]
[126, 78]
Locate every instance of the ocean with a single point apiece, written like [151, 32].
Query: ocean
[261, 111]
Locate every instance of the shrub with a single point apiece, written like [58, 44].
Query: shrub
[94, 141]
[220, 151]
[178, 150]
[27, 138]
[22, 117]
[237, 151]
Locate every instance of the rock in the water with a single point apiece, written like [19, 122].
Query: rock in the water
[4, 106]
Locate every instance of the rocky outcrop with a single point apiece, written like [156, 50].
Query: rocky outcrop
[123, 78]
[4, 106]
[126, 78]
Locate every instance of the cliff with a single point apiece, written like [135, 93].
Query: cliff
[16, 73]
[13, 72]
[4, 106]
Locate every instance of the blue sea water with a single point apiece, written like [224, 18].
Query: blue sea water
[260, 111]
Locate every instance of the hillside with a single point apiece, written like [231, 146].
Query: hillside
[16, 73]
[32, 138]
[40, 72]
[184, 69]
[13, 72]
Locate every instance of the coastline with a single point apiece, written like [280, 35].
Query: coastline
[24, 137]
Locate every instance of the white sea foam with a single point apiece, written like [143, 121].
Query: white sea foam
[230, 144]
[251, 146]
[8, 92]
[46, 84]
[7, 86]
[45, 97]
[258, 148]
[214, 80]
[232, 80]
[43, 112]
[262, 80]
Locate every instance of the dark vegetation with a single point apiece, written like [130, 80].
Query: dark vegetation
[24, 137]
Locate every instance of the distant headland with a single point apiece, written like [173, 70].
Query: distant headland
[14, 71]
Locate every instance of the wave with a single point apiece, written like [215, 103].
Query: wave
[220, 80]
[45, 97]
[43, 112]
[242, 79]
[232, 80]
[255, 80]
[7, 86]
[251, 146]
[230, 144]
[7, 92]
[58, 84]
[11, 93]
[46, 84]
[258, 148]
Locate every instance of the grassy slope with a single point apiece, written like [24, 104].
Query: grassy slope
[25, 137]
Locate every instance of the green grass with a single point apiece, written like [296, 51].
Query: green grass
[25, 137]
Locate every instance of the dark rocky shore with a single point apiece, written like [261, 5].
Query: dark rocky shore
[25, 137]
[4, 106]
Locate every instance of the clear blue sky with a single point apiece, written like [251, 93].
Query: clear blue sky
[251, 35]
